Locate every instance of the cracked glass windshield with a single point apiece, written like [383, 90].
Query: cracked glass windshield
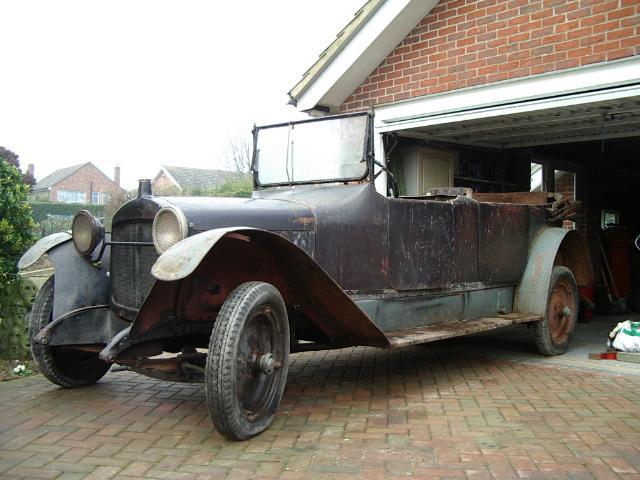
[324, 150]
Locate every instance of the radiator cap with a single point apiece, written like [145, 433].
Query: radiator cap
[144, 187]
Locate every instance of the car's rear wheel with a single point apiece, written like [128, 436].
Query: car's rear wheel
[63, 366]
[554, 332]
[247, 362]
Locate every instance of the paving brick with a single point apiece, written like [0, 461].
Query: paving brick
[352, 413]
[29, 472]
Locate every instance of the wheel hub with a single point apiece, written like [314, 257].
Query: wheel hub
[267, 363]
[560, 314]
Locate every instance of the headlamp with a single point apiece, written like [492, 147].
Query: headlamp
[87, 232]
[169, 227]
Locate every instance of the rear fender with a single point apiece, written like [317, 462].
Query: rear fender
[552, 246]
[196, 275]
[78, 282]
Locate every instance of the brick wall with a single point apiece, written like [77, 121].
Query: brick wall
[87, 179]
[162, 183]
[565, 184]
[463, 43]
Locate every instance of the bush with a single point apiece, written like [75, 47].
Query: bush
[43, 210]
[16, 224]
[241, 187]
[52, 225]
[15, 302]
[235, 187]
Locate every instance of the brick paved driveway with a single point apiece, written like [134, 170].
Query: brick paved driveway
[426, 412]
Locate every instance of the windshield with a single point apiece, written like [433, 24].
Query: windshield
[313, 151]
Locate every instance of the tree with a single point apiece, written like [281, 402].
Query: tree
[237, 154]
[9, 157]
[28, 179]
[16, 223]
[13, 159]
[116, 201]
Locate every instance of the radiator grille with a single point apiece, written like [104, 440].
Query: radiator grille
[131, 278]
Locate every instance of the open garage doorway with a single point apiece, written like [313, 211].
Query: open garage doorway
[586, 153]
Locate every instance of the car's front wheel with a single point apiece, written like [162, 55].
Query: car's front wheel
[247, 361]
[63, 366]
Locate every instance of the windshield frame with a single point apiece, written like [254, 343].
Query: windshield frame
[367, 154]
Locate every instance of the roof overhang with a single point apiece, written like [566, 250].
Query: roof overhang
[377, 28]
[592, 102]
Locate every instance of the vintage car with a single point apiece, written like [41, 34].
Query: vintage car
[221, 290]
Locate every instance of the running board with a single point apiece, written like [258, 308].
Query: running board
[402, 338]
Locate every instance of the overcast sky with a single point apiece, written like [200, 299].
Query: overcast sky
[140, 83]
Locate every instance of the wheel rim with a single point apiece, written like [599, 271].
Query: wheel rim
[258, 363]
[561, 311]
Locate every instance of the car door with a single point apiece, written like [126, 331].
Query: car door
[503, 242]
[433, 244]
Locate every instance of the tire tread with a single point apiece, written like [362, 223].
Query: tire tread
[220, 400]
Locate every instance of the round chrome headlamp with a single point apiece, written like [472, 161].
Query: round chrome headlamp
[169, 227]
[87, 232]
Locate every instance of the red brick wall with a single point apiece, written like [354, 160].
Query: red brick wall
[87, 179]
[163, 183]
[565, 184]
[462, 43]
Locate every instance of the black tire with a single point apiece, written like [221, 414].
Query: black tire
[243, 383]
[61, 365]
[553, 333]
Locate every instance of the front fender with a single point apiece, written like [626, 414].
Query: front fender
[41, 247]
[78, 282]
[552, 246]
[204, 268]
[183, 258]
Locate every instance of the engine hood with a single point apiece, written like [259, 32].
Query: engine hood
[206, 213]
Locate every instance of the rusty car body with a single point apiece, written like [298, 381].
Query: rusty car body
[317, 258]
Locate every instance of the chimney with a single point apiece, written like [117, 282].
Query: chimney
[31, 170]
[116, 175]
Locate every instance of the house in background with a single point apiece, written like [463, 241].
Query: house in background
[171, 179]
[83, 183]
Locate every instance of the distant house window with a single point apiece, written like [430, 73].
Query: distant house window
[71, 196]
[99, 198]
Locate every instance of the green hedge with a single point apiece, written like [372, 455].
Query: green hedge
[41, 210]
[15, 301]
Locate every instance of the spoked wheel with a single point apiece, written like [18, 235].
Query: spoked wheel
[554, 332]
[61, 365]
[247, 361]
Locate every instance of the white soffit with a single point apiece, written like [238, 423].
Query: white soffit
[612, 116]
[568, 87]
[377, 38]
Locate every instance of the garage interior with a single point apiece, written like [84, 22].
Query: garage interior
[586, 152]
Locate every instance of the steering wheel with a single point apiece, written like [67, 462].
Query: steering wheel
[637, 242]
